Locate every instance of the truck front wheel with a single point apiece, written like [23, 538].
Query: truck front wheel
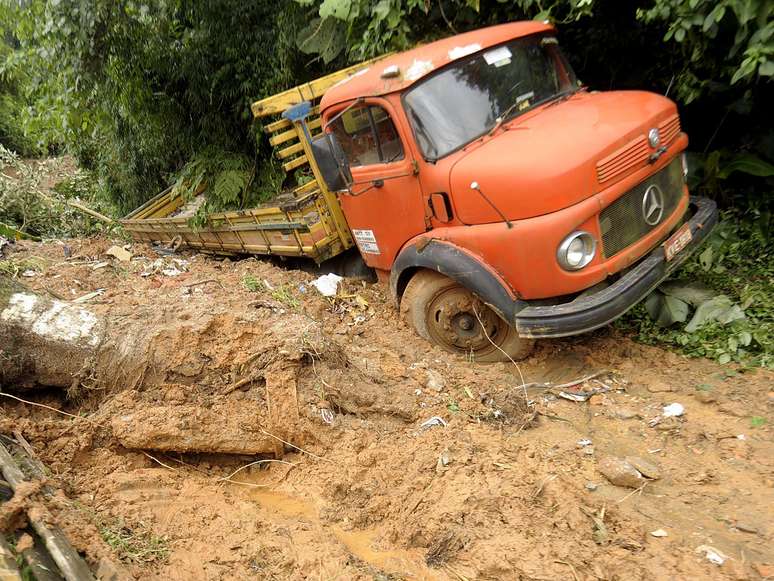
[449, 315]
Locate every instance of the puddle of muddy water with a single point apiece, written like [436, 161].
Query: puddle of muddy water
[363, 544]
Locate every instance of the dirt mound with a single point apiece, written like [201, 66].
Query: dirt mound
[379, 456]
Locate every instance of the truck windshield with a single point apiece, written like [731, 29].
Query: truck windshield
[466, 99]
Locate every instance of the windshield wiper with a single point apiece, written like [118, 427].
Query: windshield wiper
[504, 116]
[558, 98]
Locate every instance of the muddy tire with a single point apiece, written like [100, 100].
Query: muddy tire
[450, 316]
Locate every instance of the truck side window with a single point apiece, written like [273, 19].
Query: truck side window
[368, 136]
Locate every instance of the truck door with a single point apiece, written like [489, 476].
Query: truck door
[384, 208]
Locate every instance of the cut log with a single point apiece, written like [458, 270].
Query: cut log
[44, 341]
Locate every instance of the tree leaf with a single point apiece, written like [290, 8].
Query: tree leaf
[693, 293]
[720, 309]
[749, 164]
[666, 310]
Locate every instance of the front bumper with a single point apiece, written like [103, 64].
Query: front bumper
[596, 310]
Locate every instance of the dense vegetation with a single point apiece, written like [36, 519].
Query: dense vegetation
[147, 92]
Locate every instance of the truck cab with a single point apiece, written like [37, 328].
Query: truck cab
[501, 199]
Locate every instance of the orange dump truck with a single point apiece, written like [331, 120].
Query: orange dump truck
[500, 199]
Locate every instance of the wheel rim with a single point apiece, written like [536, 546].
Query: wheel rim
[460, 322]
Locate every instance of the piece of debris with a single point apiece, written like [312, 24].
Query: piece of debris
[327, 284]
[583, 443]
[122, 254]
[583, 395]
[434, 380]
[712, 554]
[434, 421]
[444, 459]
[673, 410]
[327, 416]
[646, 468]
[89, 296]
[620, 472]
[746, 527]
[659, 533]
[600, 533]
[591, 486]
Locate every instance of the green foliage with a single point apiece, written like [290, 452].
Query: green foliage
[368, 28]
[134, 544]
[27, 206]
[139, 89]
[734, 39]
[732, 292]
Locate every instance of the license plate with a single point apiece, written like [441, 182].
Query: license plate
[677, 241]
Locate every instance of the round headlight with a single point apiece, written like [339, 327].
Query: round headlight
[576, 251]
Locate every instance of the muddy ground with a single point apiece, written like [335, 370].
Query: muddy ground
[505, 490]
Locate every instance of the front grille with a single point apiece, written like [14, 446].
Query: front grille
[636, 153]
[622, 223]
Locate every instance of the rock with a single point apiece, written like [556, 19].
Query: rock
[659, 533]
[620, 472]
[765, 570]
[626, 414]
[120, 253]
[591, 486]
[659, 387]
[706, 397]
[646, 468]
[434, 381]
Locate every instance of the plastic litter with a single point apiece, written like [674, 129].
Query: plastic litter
[673, 410]
[583, 443]
[327, 284]
[434, 421]
[327, 416]
[712, 554]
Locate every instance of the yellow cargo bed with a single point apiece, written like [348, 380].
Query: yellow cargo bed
[306, 222]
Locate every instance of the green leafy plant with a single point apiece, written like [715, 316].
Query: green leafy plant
[757, 422]
[135, 544]
[726, 312]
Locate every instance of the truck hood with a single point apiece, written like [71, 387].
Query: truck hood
[546, 161]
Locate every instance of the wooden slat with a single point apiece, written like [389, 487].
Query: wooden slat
[307, 92]
[288, 151]
[298, 162]
[291, 133]
[284, 123]
[309, 186]
[283, 137]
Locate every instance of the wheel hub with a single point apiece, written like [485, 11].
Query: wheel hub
[458, 320]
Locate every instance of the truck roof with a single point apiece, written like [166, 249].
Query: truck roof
[419, 62]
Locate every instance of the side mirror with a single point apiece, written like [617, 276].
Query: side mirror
[332, 161]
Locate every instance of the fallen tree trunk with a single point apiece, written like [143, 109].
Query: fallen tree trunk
[44, 341]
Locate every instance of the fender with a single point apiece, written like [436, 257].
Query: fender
[459, 265]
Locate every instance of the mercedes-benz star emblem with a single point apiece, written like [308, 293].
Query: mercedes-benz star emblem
[654, 138]
[652, 205]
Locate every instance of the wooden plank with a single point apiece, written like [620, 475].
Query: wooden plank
[283, 137]
[284, 123]
[293, 132]
[298, 162]
[288, 151]
[307, 92]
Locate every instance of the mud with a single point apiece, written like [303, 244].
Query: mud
[331, 395]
